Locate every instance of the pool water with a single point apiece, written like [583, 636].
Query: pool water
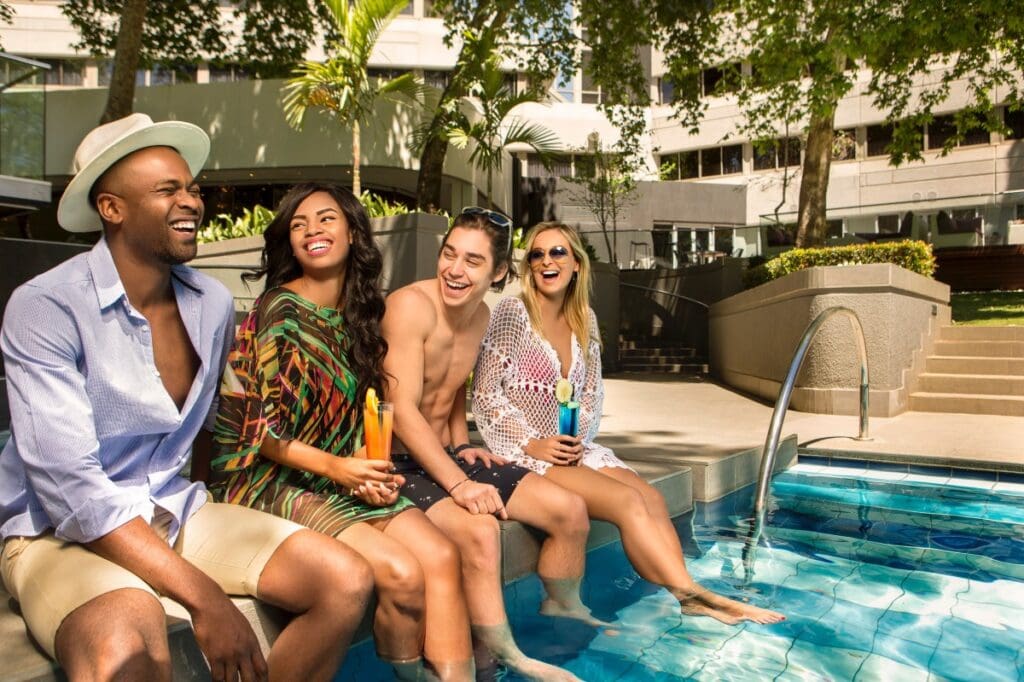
[884, 573]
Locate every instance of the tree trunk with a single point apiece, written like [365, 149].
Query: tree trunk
[121, 94]
[357, 185]
[488, 16]
[428, 182]
[811, 225]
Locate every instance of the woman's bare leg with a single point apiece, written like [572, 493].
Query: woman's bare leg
[643, 523]
[447, 646]
[398, 620]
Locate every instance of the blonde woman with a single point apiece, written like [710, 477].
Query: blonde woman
[550, 334]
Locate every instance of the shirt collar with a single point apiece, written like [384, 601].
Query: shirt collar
[110, 290]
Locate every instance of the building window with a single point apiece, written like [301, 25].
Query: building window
[227, 73]
[942, 128]
[62, 71]
[105, 68]
[844, 145]
[1019, 212]
[719, 80]
[702, 163]
[169, 74]
[888, 224]
[436, 79]
[560, 166]
[879, 139]
[590, 92]
[385, 74]
[777, 153]
[834, 228]
[1014, 120]
[666, 90]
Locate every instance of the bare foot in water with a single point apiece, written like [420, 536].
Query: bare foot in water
[532, 669]
[728, 611]
[550, 607]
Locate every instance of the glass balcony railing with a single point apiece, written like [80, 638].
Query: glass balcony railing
[22, 117]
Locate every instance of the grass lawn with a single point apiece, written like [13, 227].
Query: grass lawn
[988, 309]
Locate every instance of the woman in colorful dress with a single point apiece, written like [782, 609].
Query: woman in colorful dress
[534, 341]
[289, 430]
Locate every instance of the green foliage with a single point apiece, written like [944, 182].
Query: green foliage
[378, 207]
[915, 256]
[274, 35]
[492, 127]
[254, 222]
[341, 85]
[224, 226]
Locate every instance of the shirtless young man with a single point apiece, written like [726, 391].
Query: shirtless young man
[433, 328]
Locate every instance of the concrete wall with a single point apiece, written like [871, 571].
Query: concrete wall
[754, 334]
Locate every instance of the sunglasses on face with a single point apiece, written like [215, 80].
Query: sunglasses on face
[558, 253]
[499, 220]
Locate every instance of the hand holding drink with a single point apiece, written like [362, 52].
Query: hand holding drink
[378, 418]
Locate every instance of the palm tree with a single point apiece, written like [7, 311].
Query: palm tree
[494, 129]
[341, 85]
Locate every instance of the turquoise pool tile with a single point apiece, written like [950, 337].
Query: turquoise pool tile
[876, 668]
[814, 661]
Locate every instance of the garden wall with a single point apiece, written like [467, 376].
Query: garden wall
[754, 334]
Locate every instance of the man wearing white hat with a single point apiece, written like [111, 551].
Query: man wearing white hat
[113, 359]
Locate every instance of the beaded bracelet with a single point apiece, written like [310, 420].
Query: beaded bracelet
[457, 485]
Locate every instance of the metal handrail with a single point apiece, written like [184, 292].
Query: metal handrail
[771, 443]
[667, 293]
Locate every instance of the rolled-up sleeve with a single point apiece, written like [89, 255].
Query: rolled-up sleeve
[52, 419]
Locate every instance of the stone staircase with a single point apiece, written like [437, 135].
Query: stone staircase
[974, 370]
[651, 354]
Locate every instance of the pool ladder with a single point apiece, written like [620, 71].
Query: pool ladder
[771, 443]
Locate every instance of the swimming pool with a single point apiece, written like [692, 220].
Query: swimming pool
[885, 572]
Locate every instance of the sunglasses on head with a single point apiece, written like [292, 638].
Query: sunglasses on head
[499, 220]
[557, 252]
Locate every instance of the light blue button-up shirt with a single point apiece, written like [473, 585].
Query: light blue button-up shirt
[96, 440]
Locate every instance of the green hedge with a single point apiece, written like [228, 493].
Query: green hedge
[915, 256]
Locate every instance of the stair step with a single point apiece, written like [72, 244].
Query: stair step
[923, 401]
[989, 349]
[964, 364]
[987, 384]
[689, 368]
[656, 357]
[654, 344]
[962, 333]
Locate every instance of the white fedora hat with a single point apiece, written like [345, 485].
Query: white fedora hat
[109, 143]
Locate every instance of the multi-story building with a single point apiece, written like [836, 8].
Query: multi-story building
[716, 195]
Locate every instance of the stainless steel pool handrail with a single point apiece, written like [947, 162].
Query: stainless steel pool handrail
[771, 443]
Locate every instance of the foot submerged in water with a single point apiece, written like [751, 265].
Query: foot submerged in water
[728, 611]
[550, 607]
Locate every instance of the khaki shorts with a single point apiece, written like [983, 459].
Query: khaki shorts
[51, 578]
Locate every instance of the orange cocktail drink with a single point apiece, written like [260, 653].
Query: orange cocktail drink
[378, 418]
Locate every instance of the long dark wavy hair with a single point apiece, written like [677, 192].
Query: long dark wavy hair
[361, 300]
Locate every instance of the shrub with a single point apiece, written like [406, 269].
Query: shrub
[915, 256]
[224, 226]
[254, 222]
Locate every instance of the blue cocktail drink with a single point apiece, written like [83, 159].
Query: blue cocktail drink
[568, 418]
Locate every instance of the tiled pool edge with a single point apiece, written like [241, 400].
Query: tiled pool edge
[1010, 471]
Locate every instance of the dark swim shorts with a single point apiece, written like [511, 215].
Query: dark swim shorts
[425, 492]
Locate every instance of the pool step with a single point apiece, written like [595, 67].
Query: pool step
[966, 364]
[967, 523]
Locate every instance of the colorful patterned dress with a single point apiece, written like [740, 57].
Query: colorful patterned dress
[288, 377]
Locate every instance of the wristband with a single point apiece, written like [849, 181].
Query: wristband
[460, 448]
[457, 485]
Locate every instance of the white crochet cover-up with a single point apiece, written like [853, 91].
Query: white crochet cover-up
[514, 389]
